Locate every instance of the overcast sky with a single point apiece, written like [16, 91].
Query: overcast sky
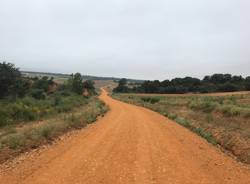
[144, 39]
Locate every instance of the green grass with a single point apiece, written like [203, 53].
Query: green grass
[34, 135]
[198, 130]
[30, 109]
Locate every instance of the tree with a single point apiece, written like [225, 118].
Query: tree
[44, 83]
[9, 79]
[122, 86]
[123, 82]
[247, 83]
[77, 84]
[89, 86]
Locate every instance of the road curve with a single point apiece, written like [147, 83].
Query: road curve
[129, 145]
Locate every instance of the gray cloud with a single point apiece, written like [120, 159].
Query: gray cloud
[127, 38]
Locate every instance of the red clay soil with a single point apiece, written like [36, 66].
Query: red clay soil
[129, 145]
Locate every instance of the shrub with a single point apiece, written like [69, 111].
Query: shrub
[151, 100]
[230, 110]
[22, 112]
[38, 94]
[204, 104]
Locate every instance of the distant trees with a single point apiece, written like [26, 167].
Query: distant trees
[122, 86]
[247, 83]
[14, 85]
[213, 83]
[76, 84]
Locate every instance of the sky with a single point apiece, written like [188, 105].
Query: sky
[141, 39]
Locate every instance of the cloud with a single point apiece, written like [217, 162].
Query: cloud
[133, 38]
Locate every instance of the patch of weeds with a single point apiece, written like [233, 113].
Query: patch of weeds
[14, 141]
[46, 130]
[75, 121]
[206, 105]
[208, 136]
[230, 110]
[89, 117]
[172, 116]
[184, 122]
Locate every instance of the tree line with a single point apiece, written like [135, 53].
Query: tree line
[210, 83]
[13, 85]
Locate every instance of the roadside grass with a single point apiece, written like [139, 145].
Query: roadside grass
[17, 140]
[198, 130]
[29, 109]
[223, 120]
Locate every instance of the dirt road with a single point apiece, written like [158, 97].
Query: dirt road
[129, 145]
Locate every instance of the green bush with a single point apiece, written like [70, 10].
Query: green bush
[22, 112]
[29, 108]
[38, 94]
[151, 100]
[230, 110]
[204, 104]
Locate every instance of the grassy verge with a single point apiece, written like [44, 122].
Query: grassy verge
[27, 109]
[222, 120]
[14, 139]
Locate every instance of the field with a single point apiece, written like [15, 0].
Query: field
[221, 118]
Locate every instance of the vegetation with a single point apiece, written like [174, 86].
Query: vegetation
[213, 83]
[122, 86]
[222, 120]
[20, 139]
[56, 107]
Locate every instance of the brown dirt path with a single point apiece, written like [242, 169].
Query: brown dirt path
[129, 145]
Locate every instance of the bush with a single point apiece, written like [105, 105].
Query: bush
[38, 94]
[205, 104]
[22, 112]
[151, 100]
[230, 110]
